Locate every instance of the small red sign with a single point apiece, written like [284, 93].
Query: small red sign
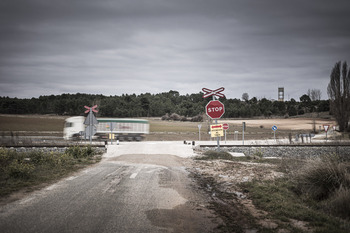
[225, 126]
[215, 109]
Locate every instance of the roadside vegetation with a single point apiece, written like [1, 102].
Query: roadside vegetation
[313, 195]
[20, 170]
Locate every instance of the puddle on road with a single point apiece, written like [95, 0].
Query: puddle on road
[183, 218]
[177, 206]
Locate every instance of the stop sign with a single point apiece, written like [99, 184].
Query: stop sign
[215, 109]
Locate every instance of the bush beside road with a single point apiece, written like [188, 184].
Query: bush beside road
[26, 170]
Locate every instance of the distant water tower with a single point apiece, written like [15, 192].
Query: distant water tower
[281, 94]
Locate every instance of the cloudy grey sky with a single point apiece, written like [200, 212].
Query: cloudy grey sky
[115, 47]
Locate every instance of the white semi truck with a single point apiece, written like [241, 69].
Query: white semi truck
[124, 129]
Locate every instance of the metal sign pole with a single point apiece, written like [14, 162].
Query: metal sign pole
[274, 128]
[243, 126]
[111, 125]
[199, 132]
[225, 136]
[91, 125]
[217, 138]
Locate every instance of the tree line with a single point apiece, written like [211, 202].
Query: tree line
[158, 105]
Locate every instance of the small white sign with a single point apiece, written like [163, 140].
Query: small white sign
[326, 127]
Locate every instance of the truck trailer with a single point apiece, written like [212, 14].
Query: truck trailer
[124, 129]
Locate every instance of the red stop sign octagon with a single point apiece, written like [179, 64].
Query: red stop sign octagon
[215, 109]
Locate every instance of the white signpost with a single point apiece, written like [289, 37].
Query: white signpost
[243, 128]
[326, 127]
[274, 128]
[199, 133]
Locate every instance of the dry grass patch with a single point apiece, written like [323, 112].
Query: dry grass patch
[31, 123]
[281, 195]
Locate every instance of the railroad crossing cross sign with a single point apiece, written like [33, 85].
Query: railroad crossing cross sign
[215, 109]
[217, 130]
[216, 92]
[91, 108]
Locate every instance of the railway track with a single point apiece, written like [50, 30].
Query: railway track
[346, 144]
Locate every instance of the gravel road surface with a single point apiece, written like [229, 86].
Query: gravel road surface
[137, 187]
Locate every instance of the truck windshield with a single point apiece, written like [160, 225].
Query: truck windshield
[69, 124]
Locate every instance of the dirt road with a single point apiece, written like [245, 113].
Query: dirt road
[137, 187]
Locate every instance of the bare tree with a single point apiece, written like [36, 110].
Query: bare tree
[314, 94]
[339, 94]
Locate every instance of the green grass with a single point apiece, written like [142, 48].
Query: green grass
[26, 170]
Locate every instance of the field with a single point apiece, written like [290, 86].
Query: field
[256, 129]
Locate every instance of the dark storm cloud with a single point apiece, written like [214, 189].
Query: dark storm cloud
[126, 46]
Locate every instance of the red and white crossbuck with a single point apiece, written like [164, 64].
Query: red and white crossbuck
[92, 109]
[217, 92]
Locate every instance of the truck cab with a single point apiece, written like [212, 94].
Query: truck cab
[73, 126]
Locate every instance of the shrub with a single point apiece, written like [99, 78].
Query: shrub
[208, 155]
[339, 202]
[258, 154]
[319, 178]
[80, 152]
[20, 170]
[198, 118]
[4, 157]
[175, 117]
[165, 117]
[183, 118]
[89, 151]
[38, 157]
[65, 159]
